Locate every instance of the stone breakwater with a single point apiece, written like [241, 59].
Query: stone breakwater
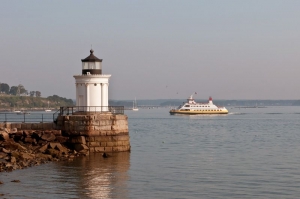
[21, 149]
[28, 144]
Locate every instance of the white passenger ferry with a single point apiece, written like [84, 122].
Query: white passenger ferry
[191, 107]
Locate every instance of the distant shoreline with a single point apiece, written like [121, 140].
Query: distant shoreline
[250, 107]
[11, 110]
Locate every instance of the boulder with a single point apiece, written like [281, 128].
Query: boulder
[6, 130]
[26, 156]
[4, 135]
[56, 132]
[62, 149]
[54, 153]
[9, 166]
[48, 137]
[23, 164]
[78, 140]
[15, 166]
[42, 142]
[80, 147]
[52, 145]
[20, 147]
[13, 160]
[18, 136]
[29, 140]
[15, 154]
[61, 139]
[58, 146]
[5, 150]
[44, 156]
[105, 155]
[27, 133]
[37, 135]
[13, 146]
[42, 149]
[2, 155]
[13, 130]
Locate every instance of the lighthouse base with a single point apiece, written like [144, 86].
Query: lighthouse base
[98, 132]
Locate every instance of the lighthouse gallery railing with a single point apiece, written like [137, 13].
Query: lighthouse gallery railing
[87, 110]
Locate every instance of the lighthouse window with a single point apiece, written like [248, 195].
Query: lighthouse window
[95, 84]
[98, 65]
[91, 65]
[84, 65]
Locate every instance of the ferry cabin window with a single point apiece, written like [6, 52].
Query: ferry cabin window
[187, 106]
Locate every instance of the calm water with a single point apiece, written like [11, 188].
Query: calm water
[250, 153]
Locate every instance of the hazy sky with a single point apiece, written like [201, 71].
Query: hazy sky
[156, 49]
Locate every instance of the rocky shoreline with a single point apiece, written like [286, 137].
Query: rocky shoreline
[22, 149]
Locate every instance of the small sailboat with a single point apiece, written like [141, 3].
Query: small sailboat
[48, 110]
[134, 107]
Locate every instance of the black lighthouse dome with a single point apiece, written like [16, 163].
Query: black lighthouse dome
[91, 64]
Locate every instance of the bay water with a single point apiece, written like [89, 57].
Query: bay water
[249, 153]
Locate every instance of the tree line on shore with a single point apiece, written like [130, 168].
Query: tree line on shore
[20, 102]
[18, 97]
[18, 90]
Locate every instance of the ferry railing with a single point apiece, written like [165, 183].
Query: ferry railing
[25, 117]
[88, 110]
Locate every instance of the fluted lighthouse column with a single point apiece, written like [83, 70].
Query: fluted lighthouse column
[99, 98]
[77, 101]
[87, 96]
[104, 96]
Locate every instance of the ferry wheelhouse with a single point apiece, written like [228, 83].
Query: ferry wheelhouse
[191, 108]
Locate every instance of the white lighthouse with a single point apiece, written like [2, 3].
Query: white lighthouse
[92, 85]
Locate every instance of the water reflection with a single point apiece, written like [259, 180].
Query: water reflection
[98, 177]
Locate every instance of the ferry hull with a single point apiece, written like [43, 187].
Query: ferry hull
[173, 112]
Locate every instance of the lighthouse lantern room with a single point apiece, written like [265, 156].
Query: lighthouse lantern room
[92, 64]
[92, 85]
